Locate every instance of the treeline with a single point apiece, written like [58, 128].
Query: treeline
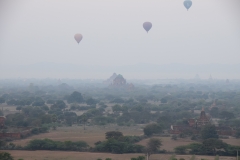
[48, 144]
[117, 143]
[208, 147]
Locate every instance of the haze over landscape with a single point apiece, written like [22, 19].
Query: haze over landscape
[36, 39]
[119, 79]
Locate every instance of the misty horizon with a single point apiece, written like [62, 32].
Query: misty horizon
[37, 39]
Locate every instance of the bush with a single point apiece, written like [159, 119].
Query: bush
[48, 144]
[6, 156]
[151, 129]
[38, 130]
[180, 149]
[117, 143]
[174, 137]
[138, 158]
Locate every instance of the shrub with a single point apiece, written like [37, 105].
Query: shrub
[48, 144]
[6, 156]
[151, 129]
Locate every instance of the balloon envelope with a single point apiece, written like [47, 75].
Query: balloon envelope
[147, 26]
[187, 4]
[78, 37]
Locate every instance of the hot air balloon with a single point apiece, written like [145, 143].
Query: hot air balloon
[187, 4]
[78, 37]
[147, 26]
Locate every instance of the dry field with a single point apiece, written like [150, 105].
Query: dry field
[232, 141]
[91, 135]
[58, 155]
[168, 144]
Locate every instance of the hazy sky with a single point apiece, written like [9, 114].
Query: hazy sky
[33, 31]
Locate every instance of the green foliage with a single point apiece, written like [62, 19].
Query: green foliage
[113, 134]
[209, 131]
[102, 120]
[216, 158]
[38, 102]
[138, 158]
[91, 101]
[164, 100]
[2, 143]
[173, 157]
[116, 146]
[180, 149]
[2, 100]
[226, 115]
[75, 97]
[40, 130]
[117, 108]
[193, 157]
[214, 112]
[117, 143]
[210, 145]
[238, 133]
[174, 137]
[151, 129]
[153, 146]
[5, 156]
[58, 105]
[47, 144]
[117, 100]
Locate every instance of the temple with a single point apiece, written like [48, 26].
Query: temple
[201, 121]
[119, 81]
[195, 125]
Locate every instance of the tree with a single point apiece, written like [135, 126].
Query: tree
[113, 134]
[210, 145]
[83, 118]
[75, 97]
[59, 105]
[91, 101]
[2, 100]
[174, 137]
[138, 158]
[19, 108]
[151, 129]
[238, 133]
[6, 156]
[180, 149]
[209, 131]
[117, 108]
[164, 100]
[152, 146]
[226, 115]
[38, 102]
[173, 157]
[214, 112]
